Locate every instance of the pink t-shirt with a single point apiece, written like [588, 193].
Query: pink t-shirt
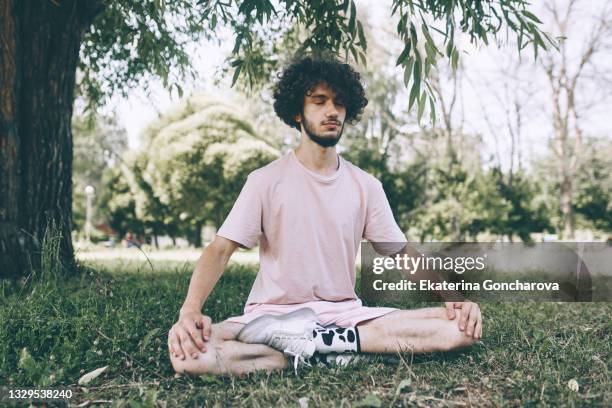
[309, 228]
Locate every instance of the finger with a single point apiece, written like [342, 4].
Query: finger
[187, 344]
[478, 331]
[195, 334]
[471, 325]
[206, 327]
[172, 344]
[178, 347]
[450, 310]
[465, 313]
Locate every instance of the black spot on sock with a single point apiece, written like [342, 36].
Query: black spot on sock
[341, 337]
[328, 337]
[340, 330]
[350, 336]
[314, 334]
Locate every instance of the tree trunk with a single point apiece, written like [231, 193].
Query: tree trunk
[39, 51]
[567, 208]
[197, 235]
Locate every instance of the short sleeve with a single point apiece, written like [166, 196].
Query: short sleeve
[380, 226]
[243, 224]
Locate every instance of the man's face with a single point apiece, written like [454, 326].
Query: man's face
[323, 116]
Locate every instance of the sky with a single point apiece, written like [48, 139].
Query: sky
[481, 109]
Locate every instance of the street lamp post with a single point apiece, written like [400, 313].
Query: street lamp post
[89, 192]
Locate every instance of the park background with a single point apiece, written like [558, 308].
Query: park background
[520, 150]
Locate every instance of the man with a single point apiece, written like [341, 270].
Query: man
[308, 210]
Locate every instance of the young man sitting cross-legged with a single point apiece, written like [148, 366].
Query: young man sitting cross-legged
[309, 211]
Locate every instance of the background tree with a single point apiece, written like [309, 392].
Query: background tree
[193, 163]
[593, 198]
[98, 145]
[117, 204]
[576, 85]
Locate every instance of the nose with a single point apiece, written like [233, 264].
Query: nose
[332, 111]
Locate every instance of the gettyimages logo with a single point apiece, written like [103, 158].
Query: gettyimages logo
[411, 264]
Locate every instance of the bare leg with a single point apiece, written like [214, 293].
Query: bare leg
[225, 355]
[417, 331]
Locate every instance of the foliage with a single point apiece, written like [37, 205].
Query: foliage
[336, 27]
[98, 143]
[117, 204]
[526, 214]
[193, 164]
[593, 198]
[132, 39]
[198, 156]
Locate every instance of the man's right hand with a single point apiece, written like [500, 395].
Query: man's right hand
[188, 336]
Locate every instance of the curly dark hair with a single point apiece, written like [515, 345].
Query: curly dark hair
[304, 74]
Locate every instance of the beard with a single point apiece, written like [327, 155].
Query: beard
[323, 141]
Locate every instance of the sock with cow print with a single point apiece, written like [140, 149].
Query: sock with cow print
[334, 339]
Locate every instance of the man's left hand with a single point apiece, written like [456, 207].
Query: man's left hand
[470, 321]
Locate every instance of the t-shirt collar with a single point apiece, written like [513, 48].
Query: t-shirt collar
[319, 177]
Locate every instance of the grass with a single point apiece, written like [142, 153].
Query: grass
[54, 330]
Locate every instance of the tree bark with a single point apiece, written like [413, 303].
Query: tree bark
[197, 235]
[39, 52]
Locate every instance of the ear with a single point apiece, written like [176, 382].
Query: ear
[298, 118]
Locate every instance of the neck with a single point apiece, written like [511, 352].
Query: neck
[322, 160]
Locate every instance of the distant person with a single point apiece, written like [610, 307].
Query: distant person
[309, 211]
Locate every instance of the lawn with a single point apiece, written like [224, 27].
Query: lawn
[117, 315]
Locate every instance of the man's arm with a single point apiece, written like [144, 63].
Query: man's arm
[190, 333]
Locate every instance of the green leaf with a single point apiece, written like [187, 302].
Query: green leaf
[450, 46]
[237, 44]
[236, 74]
[532, 16]
[403, 55]
[454, 59]
[362, 39]
[430, 51]
[408, 71]
[417, 71]
[413, 32]
[432, 111]
[414, 93]
[213, 22]
[537, 42]
[351, 24]
[363, 59]
[484, 38]
[354, 53]
[422, 101]
[426, 34]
